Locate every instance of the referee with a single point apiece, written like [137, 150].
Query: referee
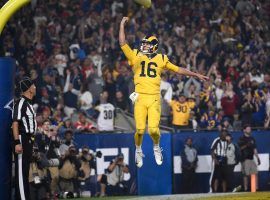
[24, 127]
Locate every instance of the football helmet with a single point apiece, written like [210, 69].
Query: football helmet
[149, 45]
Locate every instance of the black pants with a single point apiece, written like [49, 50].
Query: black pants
[22, 164]
[189, 181]
[38, 191]
[230, 177]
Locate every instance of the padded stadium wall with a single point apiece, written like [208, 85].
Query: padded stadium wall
[7, 73]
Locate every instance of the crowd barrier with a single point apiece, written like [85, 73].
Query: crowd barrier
[152, 179]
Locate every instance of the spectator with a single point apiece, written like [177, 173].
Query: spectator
[256, 75]
[115, 177]
[48, 143]
[85, 101]
[193, 124]
[189, 164]
[70, 96]
[237, 124]
[245, 82]
[181, 110]
[166, 86]
[120, 101]
[218, 92]
[267, 122]
[66, 125]
[95, 85]
[110, 86]
[106, 112]
[226, 125]
[247, 108]
[49, 89]
[229, 102]
[83, 125]
[192, 88]
[165, 110]
[67, 142]
[258, 117]
[219, 156]
[247, 145]
[209, 120]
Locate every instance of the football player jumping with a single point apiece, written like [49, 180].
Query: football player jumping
[147, 66]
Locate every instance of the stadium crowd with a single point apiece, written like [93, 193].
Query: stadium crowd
[70, 48]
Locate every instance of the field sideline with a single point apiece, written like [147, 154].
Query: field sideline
[217, 196]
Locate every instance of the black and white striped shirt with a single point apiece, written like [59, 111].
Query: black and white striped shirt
[25, 115]
[219, 147]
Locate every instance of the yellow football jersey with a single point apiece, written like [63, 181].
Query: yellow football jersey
[181, 112]
[147, 71]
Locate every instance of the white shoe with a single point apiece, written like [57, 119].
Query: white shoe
[158, 155]
[237, 189]
[139, 158]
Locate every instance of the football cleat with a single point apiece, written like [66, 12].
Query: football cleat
[139, 158]
[158, 155]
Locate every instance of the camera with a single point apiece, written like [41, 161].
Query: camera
[35, 154]
[37, 179]
[54, 162]
[71, 195]
[98, 154]
[57, 152]
[85, 151]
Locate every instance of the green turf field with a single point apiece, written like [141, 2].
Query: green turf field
[245, 196]
[224, 196]
[105, 198]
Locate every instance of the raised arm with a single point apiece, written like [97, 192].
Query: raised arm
[129, 53]
[122, 35]
[186, 72]
[183, 71]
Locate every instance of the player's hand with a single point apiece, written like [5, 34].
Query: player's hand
[202, 77]
[124, 21]
[18, 149]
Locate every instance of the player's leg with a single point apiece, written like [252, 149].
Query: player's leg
[140, 114]
[154, 111]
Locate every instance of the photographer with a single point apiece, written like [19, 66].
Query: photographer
[38, 177]
[115, 176]
[48, 143]
[69, 170]
[88, 163]
[68, 142]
